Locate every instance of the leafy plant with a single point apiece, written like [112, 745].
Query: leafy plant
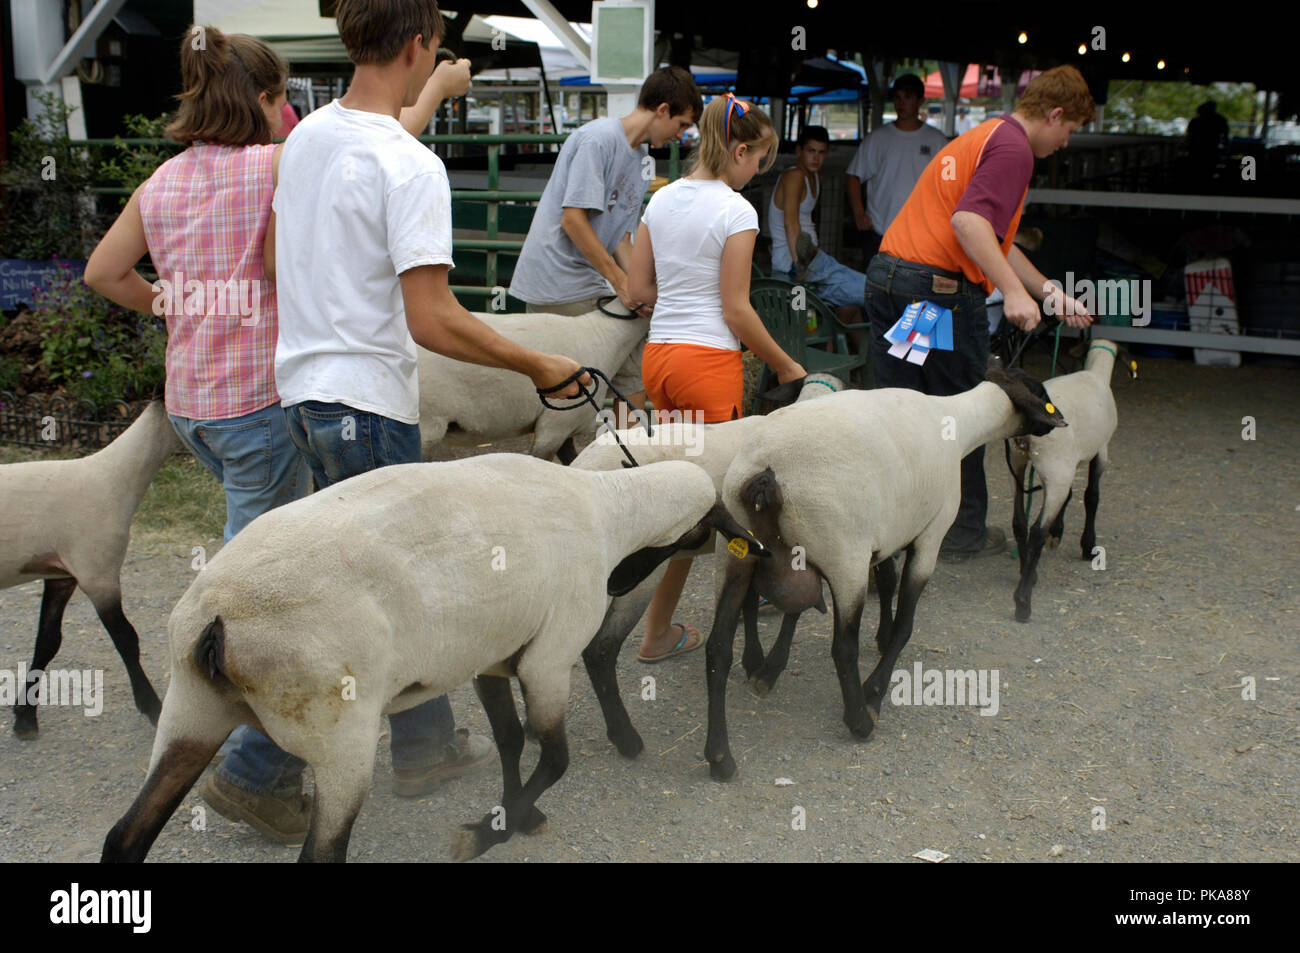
[46, 208]
[95, 349]
[11, 370]
[134, 163]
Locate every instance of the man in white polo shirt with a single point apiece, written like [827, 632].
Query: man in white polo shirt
[889, 162]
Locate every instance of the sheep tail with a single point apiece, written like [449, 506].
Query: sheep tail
[210, 652]
[763, 500]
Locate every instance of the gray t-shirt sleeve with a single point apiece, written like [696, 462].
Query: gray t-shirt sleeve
[584, 185]
[418, 214]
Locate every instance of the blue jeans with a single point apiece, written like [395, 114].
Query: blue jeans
[252, 457]
[338, 442]
[834, 283]
[893, 284]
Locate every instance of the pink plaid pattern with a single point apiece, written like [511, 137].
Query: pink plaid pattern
[205, 213]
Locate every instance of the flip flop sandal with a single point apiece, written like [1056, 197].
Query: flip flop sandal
[680, 648]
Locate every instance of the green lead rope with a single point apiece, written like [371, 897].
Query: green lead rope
[1029, 496]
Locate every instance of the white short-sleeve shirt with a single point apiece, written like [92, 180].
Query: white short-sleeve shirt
[889, 162]
[690, 221]
[359, 201]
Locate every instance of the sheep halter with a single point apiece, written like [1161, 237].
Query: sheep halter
[589, 397]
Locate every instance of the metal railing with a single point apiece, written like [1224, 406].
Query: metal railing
[61, 423]
[493, 195]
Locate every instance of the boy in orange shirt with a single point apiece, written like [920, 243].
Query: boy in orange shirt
[951, 244]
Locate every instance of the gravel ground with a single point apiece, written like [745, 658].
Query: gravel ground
[1124, 693]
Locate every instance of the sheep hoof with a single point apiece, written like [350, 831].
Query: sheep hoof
[465, 843]
[629, 746]
[724, 769]
[1053, 542]
[534, 823]
[25, 726]
[760, 686]
[1022, 612]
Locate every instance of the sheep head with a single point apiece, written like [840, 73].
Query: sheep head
[634, 569]
[1029, 397]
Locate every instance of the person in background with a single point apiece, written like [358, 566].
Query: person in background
[579, 244]
[1207, 141]
[952, 243]
[790, 226]
[889, 161]
[691, 262]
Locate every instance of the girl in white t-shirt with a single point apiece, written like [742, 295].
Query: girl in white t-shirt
[692, 260]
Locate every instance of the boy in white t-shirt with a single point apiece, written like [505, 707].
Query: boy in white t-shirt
[691, 262]
[889, 162]
[360, 246]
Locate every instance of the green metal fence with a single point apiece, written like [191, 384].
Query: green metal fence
[465, 202]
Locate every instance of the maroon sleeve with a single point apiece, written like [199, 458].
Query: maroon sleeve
[998, 185]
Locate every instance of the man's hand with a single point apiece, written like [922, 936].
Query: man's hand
[1021, 310]
[636, 307]
[1068, 309]
[863, 221]
[452, 79]
[553, 368]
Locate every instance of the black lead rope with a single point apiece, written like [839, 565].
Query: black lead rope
[589, 397]
[604, 300]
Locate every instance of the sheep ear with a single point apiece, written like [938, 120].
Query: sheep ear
[785, 393]
[741, 542]
[1031, 399]
[634, 569]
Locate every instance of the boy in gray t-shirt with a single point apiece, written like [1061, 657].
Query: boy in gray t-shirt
[580, 243]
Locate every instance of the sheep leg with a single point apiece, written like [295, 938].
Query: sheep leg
[777, 659]
[1057, 529]
[599, 657]
[886, 586]
[341, 789]
[1029, 570]
[1020, 521]
[49, 636]
[193, 725]
[1091, 497]
[916, 573]
[844, 652]
[718, 656]
[499, 704]
[752, 656]
[471, 840]
[127, 643]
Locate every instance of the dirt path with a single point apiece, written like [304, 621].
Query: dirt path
[1123, 693]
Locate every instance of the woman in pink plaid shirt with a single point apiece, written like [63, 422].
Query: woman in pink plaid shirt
[202, 218]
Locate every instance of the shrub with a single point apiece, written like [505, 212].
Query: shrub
[95, 349]
[46, 208]
[134, 163]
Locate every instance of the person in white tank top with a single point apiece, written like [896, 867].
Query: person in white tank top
[789, 219]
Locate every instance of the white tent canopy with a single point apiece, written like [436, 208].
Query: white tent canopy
[297, 31]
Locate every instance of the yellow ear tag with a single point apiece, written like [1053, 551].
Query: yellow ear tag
[1050, 408]
[738, 548]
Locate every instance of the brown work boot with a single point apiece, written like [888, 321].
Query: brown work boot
[283, 820]
[465, 753]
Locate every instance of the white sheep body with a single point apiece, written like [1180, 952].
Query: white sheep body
[466, 404]
[68, 522]
[388, 579]
[852, 479]
[1086, 400]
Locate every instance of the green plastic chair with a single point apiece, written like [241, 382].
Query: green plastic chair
[831, 328]
[773, 298]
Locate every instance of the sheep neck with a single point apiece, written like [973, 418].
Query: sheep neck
[136, 456]
[983, 414]
[1100, 359]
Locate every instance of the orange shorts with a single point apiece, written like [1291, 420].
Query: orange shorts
[694, 377]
